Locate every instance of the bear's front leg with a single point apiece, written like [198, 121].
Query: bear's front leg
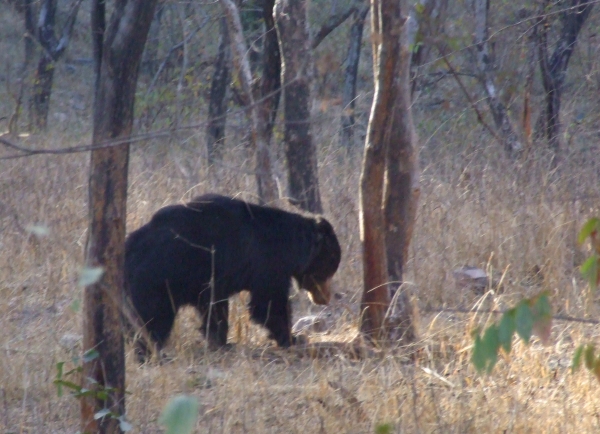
[215, 325]
[275, 315]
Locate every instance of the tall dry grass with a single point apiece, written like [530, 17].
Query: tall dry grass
[517, 219]
[475, 209]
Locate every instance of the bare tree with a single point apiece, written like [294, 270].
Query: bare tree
[270, 80]
[291, 21]
[42, 32]
[335, 20]
[117, 54]
[390, 160]
[426, 23]
[401, 193]
[53, 49]
[510, 139]
[573, 15]
[217, 104]
[267, 189]
[352, 60]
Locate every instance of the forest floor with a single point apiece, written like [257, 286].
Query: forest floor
[522, 225]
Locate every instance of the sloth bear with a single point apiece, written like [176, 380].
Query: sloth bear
[203, 252]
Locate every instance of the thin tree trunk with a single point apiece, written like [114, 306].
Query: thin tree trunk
[554, 69]
[117, 54]
[376, 293]
[24, 7]
[267, 189]
[335, 20]
[401, 194]
[217, 105]
[389, 181]
[352, 60]
[42, 88]
[270, 81]
[53, 49]
[291, 20]
[150, 60]
[512, 144]
[426, 22]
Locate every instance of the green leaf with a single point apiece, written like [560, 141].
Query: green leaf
[75, 305]
[478, 357]
[491, 345]
[589, 227]
[576, 363]
[69, 385]
[102, 395]
[384, 428]
[506, 330]
[90, 355]
[485, 350]
[542, 307]
[59, 374]
[180, 415]
[588, 356]
[524, 321]
[102, 413]
[589, 270]
[90, 275]
[542, 318]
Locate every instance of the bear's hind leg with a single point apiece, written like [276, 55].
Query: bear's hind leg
[159, 329]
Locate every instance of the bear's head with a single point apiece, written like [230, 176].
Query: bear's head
[323, 264]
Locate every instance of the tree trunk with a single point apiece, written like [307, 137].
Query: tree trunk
[352, 60]
[267, 189]
[426, 23]
[24, 7]
[150, 61]
[335, 20]
[270, 81]
[42, 88]
[53, 49]
[389, 181]
[385, 25]
[117, 54]
[401, 193]
[291, 20]
[512, 144]
[217, 105]
[554, 69]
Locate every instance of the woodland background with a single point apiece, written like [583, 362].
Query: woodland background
[510, 203]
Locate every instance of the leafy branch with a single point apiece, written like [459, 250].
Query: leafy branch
[528, 317]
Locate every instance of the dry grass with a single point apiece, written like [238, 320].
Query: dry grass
[470, 214]
[475, 209]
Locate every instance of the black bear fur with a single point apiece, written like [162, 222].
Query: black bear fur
[203, 252]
